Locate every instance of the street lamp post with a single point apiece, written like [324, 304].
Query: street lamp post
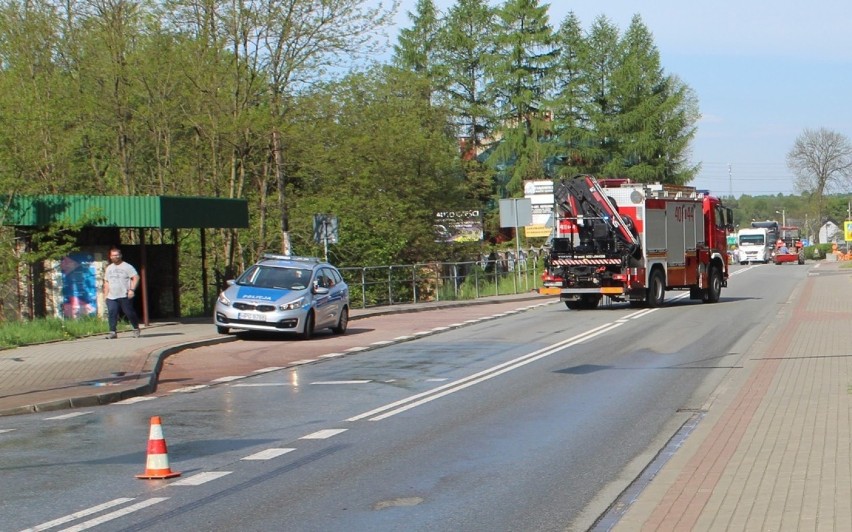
[783, 213]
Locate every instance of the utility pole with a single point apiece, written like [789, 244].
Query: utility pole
[730, 182]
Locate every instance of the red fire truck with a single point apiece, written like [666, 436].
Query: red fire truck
[633, 241]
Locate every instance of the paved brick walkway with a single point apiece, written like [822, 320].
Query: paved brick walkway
[774, 451]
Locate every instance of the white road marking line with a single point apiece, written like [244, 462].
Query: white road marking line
[191, 388]
[268, 454]
[6, 430]
[134, 400]
[115, 515]
[331, 355]
[69, 416]
[422, 333]
[430, 395]
[361, 381]
[323, 434]
[636, 315]
[200, 478]
[436, 380]
[403, 338]
[267, 370]
[260, 384]
[77, 515]
[229, 378]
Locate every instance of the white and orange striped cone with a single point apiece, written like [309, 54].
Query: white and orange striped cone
[157, 464]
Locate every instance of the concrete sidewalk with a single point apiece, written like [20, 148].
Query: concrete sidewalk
[774, 448]
[94, 371]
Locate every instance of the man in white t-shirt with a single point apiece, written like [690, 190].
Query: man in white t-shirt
[120, 282]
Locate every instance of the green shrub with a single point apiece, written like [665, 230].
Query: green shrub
[42, 330]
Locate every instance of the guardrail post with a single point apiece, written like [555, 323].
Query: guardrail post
[390, 285]
[456, 279]
[476, 279]
[414, 283]
[363, 288]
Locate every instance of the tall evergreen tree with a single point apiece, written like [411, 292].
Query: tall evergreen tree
[462, 43]
[571, 121]
[649, 129]
[600, 59]
[521, 70]
[676, 130]
[415, 46]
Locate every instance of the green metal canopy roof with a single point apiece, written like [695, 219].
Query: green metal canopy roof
[164, 212]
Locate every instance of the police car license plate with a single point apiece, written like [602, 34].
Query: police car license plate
[251, 316]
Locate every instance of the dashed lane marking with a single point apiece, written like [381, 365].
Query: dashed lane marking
[268, 454]
[260, 384]
[229, 378]
[360, 381]
[68, 416]
[323, 434]
[201, 478]
[188, 389]
[134, 400]
[79, 515]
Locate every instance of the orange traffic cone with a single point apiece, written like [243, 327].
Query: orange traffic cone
[157, 464]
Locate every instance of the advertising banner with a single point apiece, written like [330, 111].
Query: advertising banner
[458, 226]
[540, 193]
[79, 291]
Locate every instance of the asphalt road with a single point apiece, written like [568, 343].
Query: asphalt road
[531, 421]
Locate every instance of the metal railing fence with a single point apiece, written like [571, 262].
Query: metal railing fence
[372, 286]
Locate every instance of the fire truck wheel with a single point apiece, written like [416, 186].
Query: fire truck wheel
[656, 289]
[590, 301]
[714, 288]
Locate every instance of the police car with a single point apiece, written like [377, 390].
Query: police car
[285, 293]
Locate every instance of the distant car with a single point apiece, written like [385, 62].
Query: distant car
[287, 294]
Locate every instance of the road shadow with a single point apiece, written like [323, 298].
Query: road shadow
[261, 336]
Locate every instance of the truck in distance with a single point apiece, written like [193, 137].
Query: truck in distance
[633, 241]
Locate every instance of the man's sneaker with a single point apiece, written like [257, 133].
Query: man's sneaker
[136, 333]
[111, 336]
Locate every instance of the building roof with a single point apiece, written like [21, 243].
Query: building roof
[164, 212]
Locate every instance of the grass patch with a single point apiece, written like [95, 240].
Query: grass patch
[43, 330]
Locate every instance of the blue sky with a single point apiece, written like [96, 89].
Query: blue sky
[763, 72]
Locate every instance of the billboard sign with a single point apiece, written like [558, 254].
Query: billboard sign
[540, 194]
[458, 226]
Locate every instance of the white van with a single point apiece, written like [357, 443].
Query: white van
[754, 244]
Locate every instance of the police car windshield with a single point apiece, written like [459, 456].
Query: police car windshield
[275, 277]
